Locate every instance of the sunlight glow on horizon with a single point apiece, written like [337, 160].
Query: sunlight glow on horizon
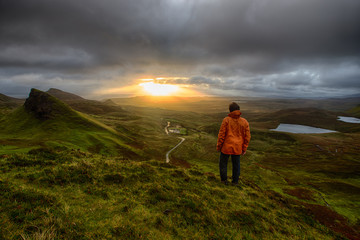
[156, 89]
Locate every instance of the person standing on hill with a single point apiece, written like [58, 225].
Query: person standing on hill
[233, 140]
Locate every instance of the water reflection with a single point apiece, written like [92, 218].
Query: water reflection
[348, 119]
[294, 128]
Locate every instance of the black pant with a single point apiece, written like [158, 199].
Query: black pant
[235, 167]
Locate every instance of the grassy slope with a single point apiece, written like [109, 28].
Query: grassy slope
[325, 160]
[70, 129]
[355, 111]
[9, 102]
[317, 171]
[92, 197]
[322, 182]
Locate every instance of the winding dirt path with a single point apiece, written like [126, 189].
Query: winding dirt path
[167, 154]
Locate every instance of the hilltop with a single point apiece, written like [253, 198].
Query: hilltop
[44, 120]
[9, 102]
[64, 96]
[87, 106]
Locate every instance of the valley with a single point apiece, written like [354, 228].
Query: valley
[87, 169]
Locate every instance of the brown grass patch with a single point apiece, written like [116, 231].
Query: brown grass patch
[180, 162]
[332, 220]
[300, 193]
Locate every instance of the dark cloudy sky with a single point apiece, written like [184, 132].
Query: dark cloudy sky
[297, 48]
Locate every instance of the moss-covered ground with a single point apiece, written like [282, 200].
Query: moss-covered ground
[73, 195]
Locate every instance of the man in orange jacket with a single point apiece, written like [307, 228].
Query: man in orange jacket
[233, 140]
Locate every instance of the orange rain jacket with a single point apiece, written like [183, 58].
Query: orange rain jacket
[234, 135]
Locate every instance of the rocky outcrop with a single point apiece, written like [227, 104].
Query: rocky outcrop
[45, 106]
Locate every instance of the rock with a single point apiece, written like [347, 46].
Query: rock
[44, 106]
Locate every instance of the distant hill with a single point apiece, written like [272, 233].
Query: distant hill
[110, 102]
[177, 103]
[309, 116]
[44, 120]
[331, 104]
[87, 106]
[10, 102]
[355, 111]
[247, 104]
[63, 96]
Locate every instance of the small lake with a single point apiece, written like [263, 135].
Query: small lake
[294, 128]
[348, 119]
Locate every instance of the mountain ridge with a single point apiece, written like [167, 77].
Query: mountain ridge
[63, 96]
[9, 102]
[85, 105]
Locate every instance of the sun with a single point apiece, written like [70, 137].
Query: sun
[156, 89]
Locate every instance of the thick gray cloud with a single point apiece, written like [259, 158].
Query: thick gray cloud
[286, 47]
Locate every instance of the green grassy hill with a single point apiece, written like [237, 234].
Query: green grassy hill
[317, 173]
[46, 121]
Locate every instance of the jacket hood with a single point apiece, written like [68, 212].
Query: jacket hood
[235, 114]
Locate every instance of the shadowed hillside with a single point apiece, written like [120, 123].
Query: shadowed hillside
[9, 102]
[64, 96]
[88, 106]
